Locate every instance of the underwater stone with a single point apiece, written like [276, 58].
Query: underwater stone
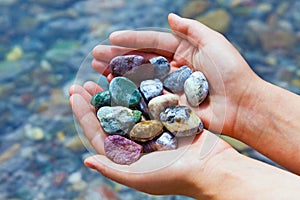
[166, 141]
[101, 99]
[118, 120]
[146, 130]
[181, 121]
[151, 88]
[122, 150]
[161, 67]
[174, 82]
[160, 103]
[196, 88]
[124, 92]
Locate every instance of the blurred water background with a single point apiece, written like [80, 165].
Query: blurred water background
[43, 43]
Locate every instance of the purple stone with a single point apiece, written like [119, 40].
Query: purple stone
[122, 150]
[120, 65]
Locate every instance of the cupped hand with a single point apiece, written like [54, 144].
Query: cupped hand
[188, 174]
[193, 44]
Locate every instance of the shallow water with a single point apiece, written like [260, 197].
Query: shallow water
[44, 42]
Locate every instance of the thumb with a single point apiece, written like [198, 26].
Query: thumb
[192, 30]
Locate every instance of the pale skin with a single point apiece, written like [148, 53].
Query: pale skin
[240, 105]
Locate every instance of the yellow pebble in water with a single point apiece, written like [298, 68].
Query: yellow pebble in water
[15, 54]
[61, 136]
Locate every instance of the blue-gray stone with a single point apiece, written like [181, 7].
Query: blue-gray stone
[166, 141]
[174, 82]
[196, 88]
[161, 67]
[124, 92]
[151, 88]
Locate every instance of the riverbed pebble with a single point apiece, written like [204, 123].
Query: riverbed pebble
[196, 88]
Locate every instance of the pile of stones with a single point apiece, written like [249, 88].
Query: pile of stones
[136, 113]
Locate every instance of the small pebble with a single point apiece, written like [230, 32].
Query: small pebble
[124, 92]
[181, 121]
[161, 67]
[122, 150]
[101, 99]
[146, 130]
[174, 82]
[118, 120]
[196, 88]
[134, 67]
[166, 141]
[121, 65]
[160, 103]
[151, 88]
[143, 107]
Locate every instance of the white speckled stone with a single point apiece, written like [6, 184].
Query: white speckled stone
[196, 88]
[160, 103]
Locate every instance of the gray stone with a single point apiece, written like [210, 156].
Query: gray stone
[166, 141]
[161, 67]
[181, 121]
[151, 88]
[174, 82]
[196, 88]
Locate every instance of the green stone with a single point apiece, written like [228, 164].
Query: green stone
[101, 99]
[137, 115]
[124, 92]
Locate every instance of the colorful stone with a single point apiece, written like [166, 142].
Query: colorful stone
[181, 121]
[101, 99]
[146, 130]
[124, 92]
[122, 150]
[134, 67]
[174, 82]
[196, 88]
[118, 120]
[160, 103]
[151, 88]
[161, 67]
[121, 65]
[166, 141]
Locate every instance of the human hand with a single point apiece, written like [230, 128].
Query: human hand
[185, 175]
[195, 45]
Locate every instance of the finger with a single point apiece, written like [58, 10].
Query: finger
[77, 89]
[101, 67]
[92, 87]
[161, 43]
[194, 31]
[88, 121]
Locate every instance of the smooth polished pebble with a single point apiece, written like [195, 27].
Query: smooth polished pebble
[122, 150]
[174, 82]
[161, 67]
[101, 99]
[118, 119]
[146, 130]
[181, 121]
[151, 88]
[160, 103]
[166, 141]
[196, 88]
[124, 92]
